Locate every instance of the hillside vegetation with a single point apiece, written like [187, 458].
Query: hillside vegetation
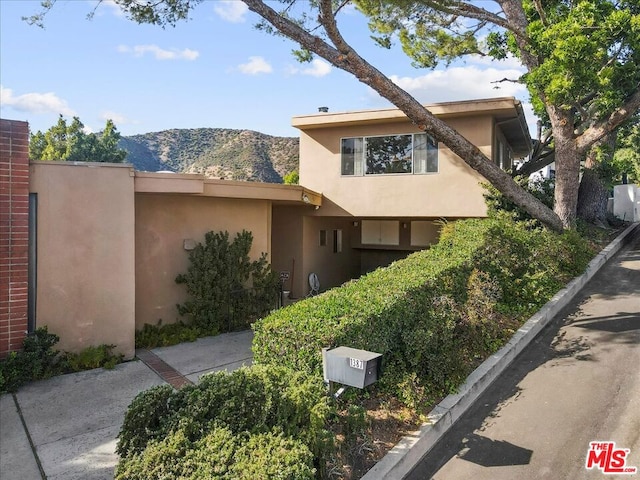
[434, 316]
[214, 152]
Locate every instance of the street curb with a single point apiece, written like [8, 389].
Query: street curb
[407, 453]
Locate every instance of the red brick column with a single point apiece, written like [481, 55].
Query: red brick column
[14, 233]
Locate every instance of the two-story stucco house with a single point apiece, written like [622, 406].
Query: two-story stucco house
[105, 243]
[386, 186]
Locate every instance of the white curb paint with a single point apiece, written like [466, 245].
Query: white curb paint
[402, 458]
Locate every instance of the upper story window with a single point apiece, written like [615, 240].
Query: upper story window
[412, 153]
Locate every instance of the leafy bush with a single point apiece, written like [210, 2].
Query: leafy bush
[497, 204]
[144, 420]
[434, 314]
[152, 336]
[223, 455]
[253, 400]
[38, 360]
[225, 285]
[273, 456]
[101, 356]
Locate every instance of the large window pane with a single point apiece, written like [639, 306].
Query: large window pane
[391, 154]
[352, 156]
[425, 154]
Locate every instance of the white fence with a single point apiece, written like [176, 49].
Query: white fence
[626, 202]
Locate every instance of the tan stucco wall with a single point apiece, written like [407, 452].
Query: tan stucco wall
[286, 246]
[452, 192]
[163, 222]
[296, 230]
[332, 269]
[85, 254]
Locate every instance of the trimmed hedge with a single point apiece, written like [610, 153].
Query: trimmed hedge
[435, 314]
[253, 400]
[220, 454]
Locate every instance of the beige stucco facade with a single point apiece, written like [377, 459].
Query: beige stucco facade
[85, 253]
[384, 217]
[111, 241]
[453, 192]
[166, 224]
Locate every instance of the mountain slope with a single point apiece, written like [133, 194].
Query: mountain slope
[214, 152]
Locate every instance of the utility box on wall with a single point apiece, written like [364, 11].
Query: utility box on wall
[352, 367]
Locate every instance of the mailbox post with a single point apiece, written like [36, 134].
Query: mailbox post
[350, 366]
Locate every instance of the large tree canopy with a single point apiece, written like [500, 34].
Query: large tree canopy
[71, 143]
[581, 57]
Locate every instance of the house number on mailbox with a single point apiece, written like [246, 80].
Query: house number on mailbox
[356, 363]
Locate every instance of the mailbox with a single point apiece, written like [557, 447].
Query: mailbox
[350, 366]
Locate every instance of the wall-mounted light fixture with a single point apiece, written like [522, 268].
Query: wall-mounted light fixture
[355, 224]
[189, 244]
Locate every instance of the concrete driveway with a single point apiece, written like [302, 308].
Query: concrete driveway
[65, 428]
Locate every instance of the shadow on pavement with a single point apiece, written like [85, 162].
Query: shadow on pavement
[551, 344]
[493, 453]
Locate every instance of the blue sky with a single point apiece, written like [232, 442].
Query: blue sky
[215, 70]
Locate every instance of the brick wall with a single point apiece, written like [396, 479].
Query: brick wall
[14, 233]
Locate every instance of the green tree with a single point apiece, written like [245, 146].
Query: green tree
[626, 159]
[581, 56]
[582, 60]
[291, 178]
[71, 143]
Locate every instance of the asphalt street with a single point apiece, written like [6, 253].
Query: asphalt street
[578, 382]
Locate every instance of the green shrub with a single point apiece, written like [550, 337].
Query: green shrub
[497, 204]
[101, 356]
[176, 456]
[38, 360]
[434, 314]
[220, 454]
[254, 400]
[144, 420]
[267, 456]
[152, 336]
[226, 288]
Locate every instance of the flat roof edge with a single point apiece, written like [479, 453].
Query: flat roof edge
[320, 120]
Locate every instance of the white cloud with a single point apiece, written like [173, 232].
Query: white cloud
[462, 83]
[35, 102]
[465, 83]
[510, 62]
[317, 68]
[117, 118]
[255, 65]
[110, 5]
[160, 53]
[232, 11]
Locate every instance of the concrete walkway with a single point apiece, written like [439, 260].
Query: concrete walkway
[65, 428]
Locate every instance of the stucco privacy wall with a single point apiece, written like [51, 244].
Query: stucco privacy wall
[452, 192]
[85, 253]
[164, 222]
[287, 248]
[14, 233]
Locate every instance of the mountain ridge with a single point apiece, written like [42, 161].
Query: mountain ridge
[232, 154]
